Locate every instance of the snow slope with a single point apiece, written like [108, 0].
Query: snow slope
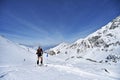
[104, 45]
[12, 54]
[57, 49]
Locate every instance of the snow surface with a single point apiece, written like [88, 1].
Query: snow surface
[77, 61]
[14, 67]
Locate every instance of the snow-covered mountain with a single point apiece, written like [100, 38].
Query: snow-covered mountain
[12, 54]
[57, 49]
[100, 46]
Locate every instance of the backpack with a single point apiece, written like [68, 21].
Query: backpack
[39, 52]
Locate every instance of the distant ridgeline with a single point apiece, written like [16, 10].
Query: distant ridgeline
[100, 46]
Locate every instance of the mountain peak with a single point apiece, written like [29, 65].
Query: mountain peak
[98, 45]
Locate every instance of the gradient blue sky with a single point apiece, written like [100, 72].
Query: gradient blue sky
[48, 22]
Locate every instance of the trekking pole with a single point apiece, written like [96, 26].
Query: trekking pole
[47, 57]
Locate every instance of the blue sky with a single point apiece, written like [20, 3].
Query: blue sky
[49, 22]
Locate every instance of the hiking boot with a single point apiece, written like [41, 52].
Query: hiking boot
[41, 62]
[37, 62]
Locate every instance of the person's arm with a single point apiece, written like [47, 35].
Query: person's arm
[42, 51]
[37, 52]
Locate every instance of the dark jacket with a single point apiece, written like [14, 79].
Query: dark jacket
[39, 52]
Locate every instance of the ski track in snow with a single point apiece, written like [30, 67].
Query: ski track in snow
[77, 71]
[5, 73]
[32, 69]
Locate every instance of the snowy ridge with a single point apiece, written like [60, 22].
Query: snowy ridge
[104, 44]
[57, 49]
[12, 54]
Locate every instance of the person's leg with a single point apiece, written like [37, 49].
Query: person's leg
[38, 61]
[41, 60]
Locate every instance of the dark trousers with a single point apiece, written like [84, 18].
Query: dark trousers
[40, 59]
